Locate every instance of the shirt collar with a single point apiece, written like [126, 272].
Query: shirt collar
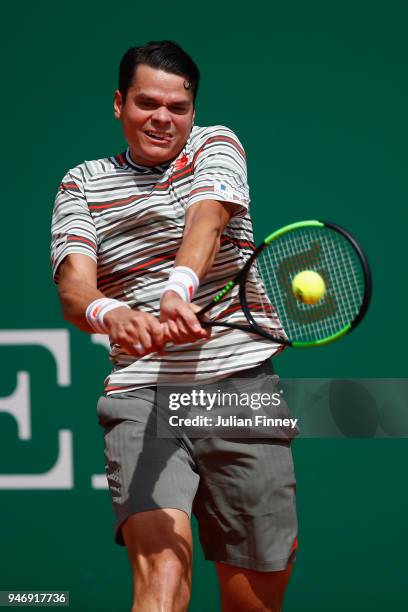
[159, 169]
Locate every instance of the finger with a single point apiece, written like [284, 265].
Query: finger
[137, 350]
[166, 333]
[165, 337]
[145, 339]
[179, 333]
[182, 329]
[206, 331]
[133, 344]
[141, 350]
[173, 331]
[190, 320]
[185, 335]
[203, 320]
[195, 307]
[205, 325]
[200, 332]
[157, 332]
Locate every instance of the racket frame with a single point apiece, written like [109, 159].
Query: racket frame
[240, 279]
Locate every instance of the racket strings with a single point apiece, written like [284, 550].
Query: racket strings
[324, 251]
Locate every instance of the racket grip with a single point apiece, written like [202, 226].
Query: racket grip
[245, 328]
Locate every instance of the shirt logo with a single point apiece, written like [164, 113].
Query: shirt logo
[181, 162]
[223, 189]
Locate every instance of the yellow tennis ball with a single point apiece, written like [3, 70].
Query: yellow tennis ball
[308, 286]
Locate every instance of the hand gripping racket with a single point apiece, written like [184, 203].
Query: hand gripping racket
[318, 246]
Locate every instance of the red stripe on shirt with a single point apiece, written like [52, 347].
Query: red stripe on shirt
[226, 139]
[81, 239]
[122, 388]
[116, 203]
[117, 275]
[252, 308]
[70, 185]
[200, 190]
[239, 243]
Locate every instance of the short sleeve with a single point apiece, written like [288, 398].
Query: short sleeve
[220, 170]
[72, 228]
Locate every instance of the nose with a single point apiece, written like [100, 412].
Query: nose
[161, 115]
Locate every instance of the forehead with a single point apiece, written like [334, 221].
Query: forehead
[157, 83]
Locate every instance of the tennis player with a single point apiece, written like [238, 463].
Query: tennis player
[139, 240]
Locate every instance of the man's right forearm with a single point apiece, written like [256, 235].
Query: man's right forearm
[138, 333]
[75, 297]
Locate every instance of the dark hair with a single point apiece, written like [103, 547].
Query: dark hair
[164, 55]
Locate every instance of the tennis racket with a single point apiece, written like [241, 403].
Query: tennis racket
[265, 286]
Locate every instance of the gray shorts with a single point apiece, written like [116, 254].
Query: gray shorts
[242, 491]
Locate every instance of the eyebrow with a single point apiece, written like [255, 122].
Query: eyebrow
[147, 98]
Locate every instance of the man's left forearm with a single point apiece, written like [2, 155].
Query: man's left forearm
[205, 222]
[202, 235]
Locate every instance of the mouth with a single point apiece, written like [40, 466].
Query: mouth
[158, 137]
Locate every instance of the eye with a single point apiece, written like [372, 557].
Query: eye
[146, 105]
[178, 110]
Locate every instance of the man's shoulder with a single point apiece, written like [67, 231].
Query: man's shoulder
[94, 169]
[201, 136]
[204, 132]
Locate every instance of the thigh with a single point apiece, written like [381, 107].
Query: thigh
[245, 503]
[243, 589]
[144, 472]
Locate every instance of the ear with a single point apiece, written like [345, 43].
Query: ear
[117, 104]
[192, 119]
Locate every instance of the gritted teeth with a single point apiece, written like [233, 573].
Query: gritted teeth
[157, 135]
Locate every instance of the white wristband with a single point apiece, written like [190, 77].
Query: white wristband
[97, 309]
[184, 281]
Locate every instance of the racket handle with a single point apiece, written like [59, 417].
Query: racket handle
[244, 328]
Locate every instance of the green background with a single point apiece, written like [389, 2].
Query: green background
[317, 92]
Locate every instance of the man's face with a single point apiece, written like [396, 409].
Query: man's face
[157, 116]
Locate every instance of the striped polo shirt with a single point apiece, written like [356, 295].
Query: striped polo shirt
[130, 219]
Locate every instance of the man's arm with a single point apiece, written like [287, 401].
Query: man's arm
[137, 332]
[205, 222]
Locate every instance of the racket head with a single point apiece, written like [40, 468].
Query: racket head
[323, 247]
